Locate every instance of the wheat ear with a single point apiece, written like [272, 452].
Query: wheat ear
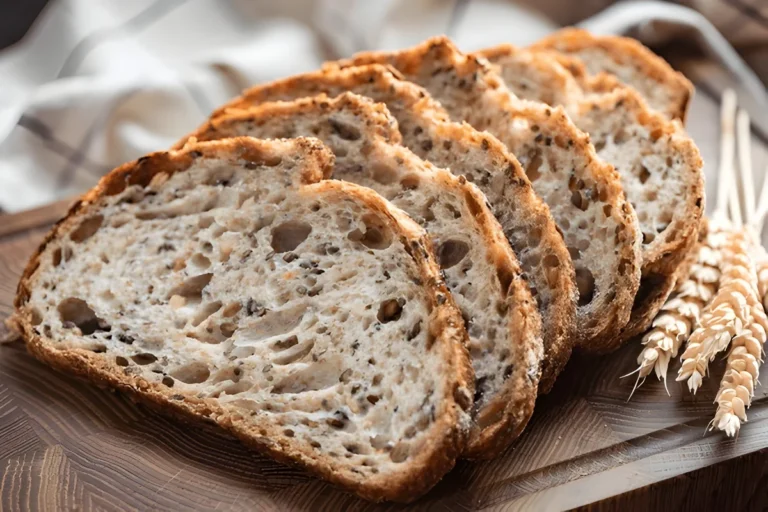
[677, 318]
[742, 369]
[729, 314]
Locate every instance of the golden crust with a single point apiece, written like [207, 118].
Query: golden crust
[511, 408]
[449, 438]
[628, 52]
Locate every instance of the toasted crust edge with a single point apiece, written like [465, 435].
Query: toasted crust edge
[409, 484]
[623, 49]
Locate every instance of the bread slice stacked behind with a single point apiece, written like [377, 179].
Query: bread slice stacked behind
[483, 160]
[660, 167]
[310, 320]
[665, 89]
[584, 194]
[480, 268]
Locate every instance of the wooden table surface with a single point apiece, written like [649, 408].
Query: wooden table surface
[66, 445]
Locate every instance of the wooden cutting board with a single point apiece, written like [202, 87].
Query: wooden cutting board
[66, 445]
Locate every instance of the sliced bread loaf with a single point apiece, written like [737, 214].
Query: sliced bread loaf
[482, 159]
[480, 269]
[665, 89]
[310, 320]
[660, 167]
[583, 193]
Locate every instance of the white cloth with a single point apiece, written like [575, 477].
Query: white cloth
[96, 83]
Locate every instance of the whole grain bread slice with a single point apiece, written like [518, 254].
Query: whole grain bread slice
[480, 269]
[584, 194]
[665, 89]
[660, 166]
[482, 159]
[221, 283]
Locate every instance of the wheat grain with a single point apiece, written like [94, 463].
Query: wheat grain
[680, 313]
[731, 312]
[737, 388]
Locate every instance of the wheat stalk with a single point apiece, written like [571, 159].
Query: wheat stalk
[731, 312]
[680, 313]
[737, 388]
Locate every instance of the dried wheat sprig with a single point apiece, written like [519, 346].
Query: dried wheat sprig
[730, 314]
[737, 388]
[679, 314]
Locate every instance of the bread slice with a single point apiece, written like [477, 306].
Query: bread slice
[583, 193]
[310, 320]
[665, 89]
[660, 167]
[480, 268]
[482, 159]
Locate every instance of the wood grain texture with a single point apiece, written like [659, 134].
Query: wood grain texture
[67, 445]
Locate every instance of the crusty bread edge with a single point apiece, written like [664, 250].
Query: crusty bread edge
[622, 49]
[409, 484]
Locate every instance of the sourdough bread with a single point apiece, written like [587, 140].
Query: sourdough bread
[480, 269]
[584, 194]
[482, 159]
[665, 89]
[660, 166]
[310, 320]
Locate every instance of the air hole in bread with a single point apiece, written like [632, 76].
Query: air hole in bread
[205, 221]
[344, 130]
[294, 354]
[121, 361]
[390, 310]
[144, 358]
[231, 309]
[191, 289]
[621, 136]
[585, 282]
[410, 182]
[86, 229]
[375, 236]
[551, 261]
[607, 209]
[451, 252]
[192, 373]
[400, 452]
[56, 257]
[168, 381]
[200, 261]
[315, 377]
[289, 235]
[579, 201]
[644, 174]
[648, 237]
[574, 252]
[532, 169]
[76, 313]
[651, 195]
[205, 311]
[383, 173]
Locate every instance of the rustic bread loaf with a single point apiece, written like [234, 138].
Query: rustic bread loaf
[480, 269]
[482, 159]
[310, 320]
[660, 166]
[584, 194]
[665, 89]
